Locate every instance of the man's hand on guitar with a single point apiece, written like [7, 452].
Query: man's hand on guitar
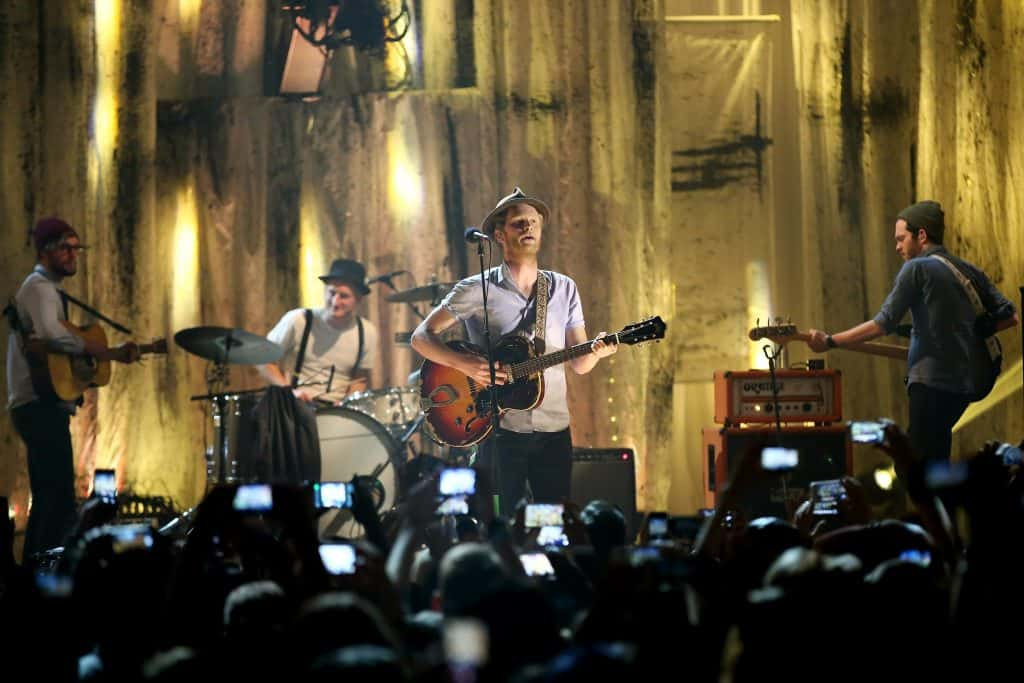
[476, 368]
[126, 353]
[601, 348]
[818, 341]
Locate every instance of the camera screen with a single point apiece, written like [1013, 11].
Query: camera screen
[253, 498]
[543, 514]
[867, 432]
[338, 558]
[552, 535]
[775, 458]
[332, 494]
[657, 526]
[458, 481]
[131, 537]
[453, 506]
[825, 496]
[104, 485]
[536, 564]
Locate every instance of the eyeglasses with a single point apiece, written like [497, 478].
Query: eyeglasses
[76, 248]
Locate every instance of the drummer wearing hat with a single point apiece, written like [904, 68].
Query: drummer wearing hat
[532, 447]
[330, 351]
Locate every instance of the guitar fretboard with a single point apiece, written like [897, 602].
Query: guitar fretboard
[532, 366]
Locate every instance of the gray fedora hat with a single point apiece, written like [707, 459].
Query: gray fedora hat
[350, 272]
[517, 197]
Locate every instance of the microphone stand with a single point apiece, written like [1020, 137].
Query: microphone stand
[493, 389]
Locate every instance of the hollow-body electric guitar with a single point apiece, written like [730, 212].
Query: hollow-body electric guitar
[459, 410]
[68, 375]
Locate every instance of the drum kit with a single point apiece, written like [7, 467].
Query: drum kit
[366, 434]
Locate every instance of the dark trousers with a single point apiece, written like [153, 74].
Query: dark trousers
[45, 429]
[933, 413]
[542, 459]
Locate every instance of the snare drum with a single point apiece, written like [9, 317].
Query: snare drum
[395, 407]
[353, 443]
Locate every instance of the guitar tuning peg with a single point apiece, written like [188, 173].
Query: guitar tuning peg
[757, 322]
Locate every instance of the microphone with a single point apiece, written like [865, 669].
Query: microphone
[474, 236]
[385, 277]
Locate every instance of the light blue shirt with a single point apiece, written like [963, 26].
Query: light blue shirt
[512, 311]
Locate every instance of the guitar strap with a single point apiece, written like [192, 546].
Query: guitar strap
[302, 348]
[991, 343]
[542, 312]
[64, 302]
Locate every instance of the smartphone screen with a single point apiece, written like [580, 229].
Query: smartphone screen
[104, 485]
[131, 537]
[457, 481]
[332, 494]
[867, 432]
[657, 525]
[552, 535]
[777, 459]
[338, 558]
[543, 514]
[536, 564]
[253, 498]
[456, 505]
[825, 497]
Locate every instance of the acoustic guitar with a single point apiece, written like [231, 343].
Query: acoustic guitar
[68, 375]
[458, 410]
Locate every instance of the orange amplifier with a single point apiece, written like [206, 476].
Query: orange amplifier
[745, 396]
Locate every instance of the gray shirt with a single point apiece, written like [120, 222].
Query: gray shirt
[510, 310]
[40, 309]
[944, 349]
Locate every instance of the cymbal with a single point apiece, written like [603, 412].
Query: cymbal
[431, 292]
[227, 345]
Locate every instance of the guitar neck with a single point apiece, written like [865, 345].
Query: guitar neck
[874, 348]
[532, 366]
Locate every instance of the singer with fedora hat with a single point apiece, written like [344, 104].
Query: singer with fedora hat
[329, 351]
[949, 363]
[530, 447]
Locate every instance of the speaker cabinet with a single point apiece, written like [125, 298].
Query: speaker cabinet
[825, 453]
[606, 474]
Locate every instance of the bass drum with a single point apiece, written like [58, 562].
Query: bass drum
[352, 443]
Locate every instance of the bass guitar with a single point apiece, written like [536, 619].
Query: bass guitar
[459, 411]
[784, 334]
[68, 375]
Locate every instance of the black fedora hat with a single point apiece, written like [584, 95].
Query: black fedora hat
[517, 197]
[349, 272]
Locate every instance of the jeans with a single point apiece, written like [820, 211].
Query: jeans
[933, 413]
[541, 459]
[45, 429]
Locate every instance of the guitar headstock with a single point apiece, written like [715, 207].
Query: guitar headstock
[773, 332]
[645, 330]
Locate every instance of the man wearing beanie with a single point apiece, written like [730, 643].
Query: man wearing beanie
[950, 363]
[41, 419]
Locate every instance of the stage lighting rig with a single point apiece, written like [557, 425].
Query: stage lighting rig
[363, 24]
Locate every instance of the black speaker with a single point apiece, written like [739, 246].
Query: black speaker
[606, 474]
[824, 453]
